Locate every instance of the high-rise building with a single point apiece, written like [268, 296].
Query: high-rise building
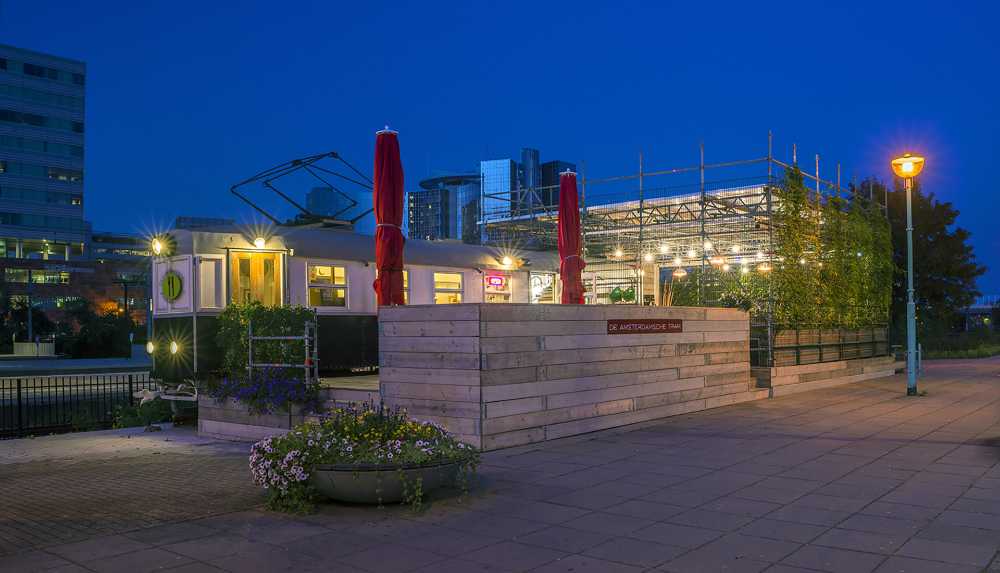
[528, 180]
[549, 193]
[48, 255]
[41, 155]
[445, 208]
[498, 185]
[325, 202]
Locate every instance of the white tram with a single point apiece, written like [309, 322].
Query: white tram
[331, 270]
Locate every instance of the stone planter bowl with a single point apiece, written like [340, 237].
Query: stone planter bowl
[379, 484]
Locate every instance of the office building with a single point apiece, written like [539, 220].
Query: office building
[48, 255]
[327, 202]
[550, 171]
[41, 156]
[528, 180]
[498, 184]
[188, 222]
[446, 207]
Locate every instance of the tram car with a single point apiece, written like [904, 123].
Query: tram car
[198, 272]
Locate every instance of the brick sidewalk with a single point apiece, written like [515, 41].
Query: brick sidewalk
[857, 478]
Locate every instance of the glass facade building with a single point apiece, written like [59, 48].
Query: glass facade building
[550, 180]
[41, 156]
[528, 180]
[445, 208]
[498, 183]
[325, 202]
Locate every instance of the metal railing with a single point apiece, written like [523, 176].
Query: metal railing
[792, 347]
[33, 405]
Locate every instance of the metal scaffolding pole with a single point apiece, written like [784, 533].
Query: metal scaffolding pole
[701, 215]
[639, 250]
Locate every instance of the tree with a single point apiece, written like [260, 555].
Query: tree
[944, 266]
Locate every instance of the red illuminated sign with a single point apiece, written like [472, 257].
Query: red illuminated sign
[496, 281]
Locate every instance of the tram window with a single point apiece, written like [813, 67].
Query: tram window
[447, 288]
[327, 285]
[254, 277]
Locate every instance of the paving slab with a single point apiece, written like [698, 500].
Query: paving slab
[854, 478]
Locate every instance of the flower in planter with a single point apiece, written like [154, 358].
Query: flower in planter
[352, 438]
[269, 390]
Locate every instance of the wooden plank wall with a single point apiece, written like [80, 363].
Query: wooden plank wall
[784, 380]
[502, 375]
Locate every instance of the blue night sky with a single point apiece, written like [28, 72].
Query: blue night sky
[186, 98]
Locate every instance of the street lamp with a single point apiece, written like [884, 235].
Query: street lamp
[906, 168]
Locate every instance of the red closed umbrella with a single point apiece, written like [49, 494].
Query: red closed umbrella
[388, 202]
[571, 264]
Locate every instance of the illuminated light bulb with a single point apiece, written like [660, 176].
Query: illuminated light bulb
[618, 253]
[677, 261]
[802, 261]
[150, 347]
[760, 256]
[735, 248]
[859, 253]
[648, 257]
[680, 273]
[157, 246]
[259, 242]
[907, 167]
[764, 268]
[691, 254]
[664, 248]
[174, 347]
[507, 261]
[708, 245]
[744, 270]
[725, 267]
[716, 260]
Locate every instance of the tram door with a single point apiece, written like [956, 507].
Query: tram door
[255, 277]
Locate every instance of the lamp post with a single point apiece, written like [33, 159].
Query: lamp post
[907, 167]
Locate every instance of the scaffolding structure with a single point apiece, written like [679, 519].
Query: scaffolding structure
[669, 236]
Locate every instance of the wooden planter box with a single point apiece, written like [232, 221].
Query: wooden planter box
[502, 375]
[232, 420]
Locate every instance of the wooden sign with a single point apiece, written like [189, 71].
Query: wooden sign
[645, 326]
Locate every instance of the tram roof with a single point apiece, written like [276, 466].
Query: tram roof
[349, 245]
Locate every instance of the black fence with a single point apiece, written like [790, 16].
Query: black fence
[33, 405]
[792, 347]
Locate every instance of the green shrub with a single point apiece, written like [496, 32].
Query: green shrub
[152, 412]
[267, 321]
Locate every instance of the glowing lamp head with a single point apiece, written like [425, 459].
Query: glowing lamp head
[725, 267]
[744, 270]
[174, 347]
[691, 254]
[677, 261]
[150, 347]
[259, 242]
[618, 253]
[507, 261]
[157, 246]
[708, 245]
[664, 248]
[648, 257]
[908, 165]
[679, 273]
[735, 248]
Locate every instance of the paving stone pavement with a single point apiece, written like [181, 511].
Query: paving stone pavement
[857, 478]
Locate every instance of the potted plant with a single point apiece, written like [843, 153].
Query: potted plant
[366, 455]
